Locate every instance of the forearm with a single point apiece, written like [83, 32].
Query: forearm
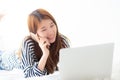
[31, 68]
[42, 62]
[31, 71]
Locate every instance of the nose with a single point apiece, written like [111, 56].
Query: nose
[50, 32]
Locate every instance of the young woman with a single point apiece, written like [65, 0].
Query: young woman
[39, 53]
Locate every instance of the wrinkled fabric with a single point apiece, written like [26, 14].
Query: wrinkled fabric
[8, 60]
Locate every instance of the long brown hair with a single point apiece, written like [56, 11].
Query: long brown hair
[33, 20]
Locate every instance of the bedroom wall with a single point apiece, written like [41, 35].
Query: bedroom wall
[84, 22]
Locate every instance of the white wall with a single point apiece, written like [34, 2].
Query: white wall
[84, 22]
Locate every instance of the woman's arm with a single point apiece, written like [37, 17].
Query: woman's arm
[42, 62]
[29, 63]
[44, 45]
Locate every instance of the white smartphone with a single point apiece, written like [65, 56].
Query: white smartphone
[33, 36]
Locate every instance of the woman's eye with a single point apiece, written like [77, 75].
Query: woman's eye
[52, 26]
[44, 29]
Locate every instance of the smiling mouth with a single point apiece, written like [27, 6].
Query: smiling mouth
[50, 38]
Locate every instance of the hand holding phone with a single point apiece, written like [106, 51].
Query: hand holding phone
[34, 37]
[40, 40]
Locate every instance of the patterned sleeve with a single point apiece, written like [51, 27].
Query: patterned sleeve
[29, 64]
[66, 41]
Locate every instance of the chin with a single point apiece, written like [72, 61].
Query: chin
[52, 41]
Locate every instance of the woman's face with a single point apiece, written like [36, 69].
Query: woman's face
[47, 29]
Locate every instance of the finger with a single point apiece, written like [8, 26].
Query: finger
[37, 35]
[46, 44]
[34, 36]
[38, 38]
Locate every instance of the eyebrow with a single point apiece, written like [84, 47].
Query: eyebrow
[51, 22]
[43, 27]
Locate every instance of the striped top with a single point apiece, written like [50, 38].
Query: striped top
[29, 59]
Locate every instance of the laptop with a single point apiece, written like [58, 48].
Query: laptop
[90, 62]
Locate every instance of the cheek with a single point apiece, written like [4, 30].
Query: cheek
[55, 30]
[41, 34]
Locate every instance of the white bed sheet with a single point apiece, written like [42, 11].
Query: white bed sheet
[17, 74]
[54, 76]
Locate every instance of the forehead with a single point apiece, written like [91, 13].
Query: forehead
[45, 22]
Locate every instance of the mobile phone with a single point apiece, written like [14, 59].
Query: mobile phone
[33, 36]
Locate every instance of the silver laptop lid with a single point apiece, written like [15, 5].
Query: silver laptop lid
[93, 61]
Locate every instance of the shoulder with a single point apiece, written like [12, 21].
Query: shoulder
[65, 40]
[28, 41]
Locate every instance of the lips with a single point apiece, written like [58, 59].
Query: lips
[51, 39]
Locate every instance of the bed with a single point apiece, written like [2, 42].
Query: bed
[17, 74]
